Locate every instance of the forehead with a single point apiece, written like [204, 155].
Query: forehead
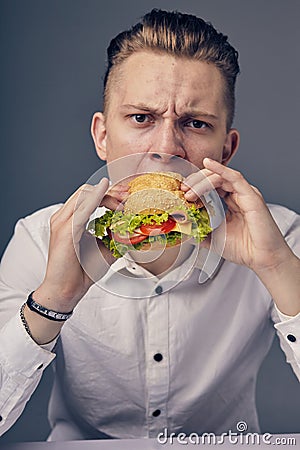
[163, 80]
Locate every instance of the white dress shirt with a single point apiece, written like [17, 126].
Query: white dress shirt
[139, 355]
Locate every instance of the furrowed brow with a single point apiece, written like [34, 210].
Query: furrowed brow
[140, 107]
[198, 113]
[188, 113]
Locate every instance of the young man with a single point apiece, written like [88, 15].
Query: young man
[183, 359]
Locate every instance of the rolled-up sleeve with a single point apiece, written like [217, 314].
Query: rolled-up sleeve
[288, 331]
[287, 327]
[22, 365]
[22, 360]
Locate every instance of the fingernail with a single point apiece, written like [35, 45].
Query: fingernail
[184, 187]
[189, 195]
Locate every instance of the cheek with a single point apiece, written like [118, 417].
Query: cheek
[202, 149]
[125, 156]
[124, 142]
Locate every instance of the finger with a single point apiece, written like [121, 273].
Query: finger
[66, 211]
[121, 196]
[206, 185]
[86, 205]
[221, 192]
[91, 193]
[195, 178]
[118, 189]
[112, 203]
[256, 190]
[91, 259]
[206, 243]
[90, 196]
[231, 203]
[235, 180]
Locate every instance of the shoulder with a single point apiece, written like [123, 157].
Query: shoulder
[36, 225]
[40, 218]
[24, 259]
[284, 217]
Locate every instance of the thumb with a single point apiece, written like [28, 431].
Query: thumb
[206, 243]
[88, 200]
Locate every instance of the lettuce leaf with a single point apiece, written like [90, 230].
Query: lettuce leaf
[102, 223]
[124, 223]
[200, 223]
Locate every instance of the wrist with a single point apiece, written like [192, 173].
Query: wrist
[50, 314]
[283, 282]
[54, 299]
[277, 263]
[41, 323]
[40, 329]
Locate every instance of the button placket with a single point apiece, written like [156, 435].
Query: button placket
[158, 364]
[158, 357]
[159, 290]
[291, 338]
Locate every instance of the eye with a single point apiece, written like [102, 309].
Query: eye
[199, 124]
[140, 118]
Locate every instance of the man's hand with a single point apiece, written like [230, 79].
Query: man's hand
[252, 236]
[66, 281]
[114, 197]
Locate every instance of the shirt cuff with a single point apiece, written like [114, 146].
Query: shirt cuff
[50, 345]
[289, 328]
[19, 352]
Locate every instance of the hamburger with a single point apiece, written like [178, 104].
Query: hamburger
[155, 215]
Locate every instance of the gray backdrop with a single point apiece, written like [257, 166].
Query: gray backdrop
[52, 64]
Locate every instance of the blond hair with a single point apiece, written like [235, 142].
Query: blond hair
[181, 35]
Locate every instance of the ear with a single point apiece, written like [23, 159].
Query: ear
[230, 146]
[98, 130]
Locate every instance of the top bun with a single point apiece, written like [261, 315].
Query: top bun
[155, 193]
[170, 181]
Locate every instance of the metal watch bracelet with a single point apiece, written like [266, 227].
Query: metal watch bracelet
[45, 312]
[24, 321]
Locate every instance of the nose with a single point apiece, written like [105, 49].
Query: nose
[168, 145]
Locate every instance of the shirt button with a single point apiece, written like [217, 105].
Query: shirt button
[291, 338]
[0, 418]
[40, 366]
[158, 290]
[158, 357]
[156, 413]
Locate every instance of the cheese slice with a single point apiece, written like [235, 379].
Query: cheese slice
[185, 228]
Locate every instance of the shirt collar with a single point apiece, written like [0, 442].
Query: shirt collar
[206, 261]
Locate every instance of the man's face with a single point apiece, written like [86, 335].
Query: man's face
[164, 107]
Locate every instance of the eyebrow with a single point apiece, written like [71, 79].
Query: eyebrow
[194, 112]
[141, 106]
[190, 112]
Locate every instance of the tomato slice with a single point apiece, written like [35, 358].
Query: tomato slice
[155, 229]
[129, 238]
